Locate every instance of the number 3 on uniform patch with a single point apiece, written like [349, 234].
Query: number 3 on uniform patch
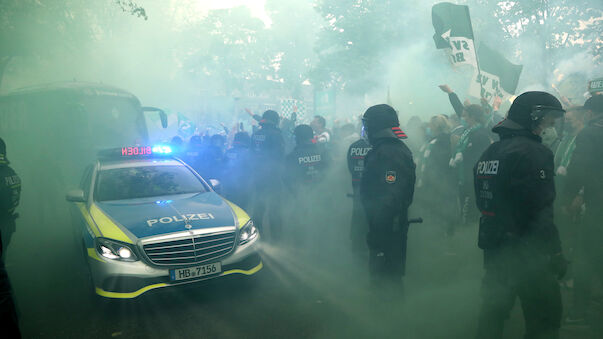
[390, 177]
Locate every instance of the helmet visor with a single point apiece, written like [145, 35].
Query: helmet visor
[542, 110]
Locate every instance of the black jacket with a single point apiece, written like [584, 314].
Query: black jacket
[269, 152]
[586, 169]
[356, 159]
[237, 174]
[387, 185]
[515, 191]
[305, 165]
[10, 191]
[479, 140]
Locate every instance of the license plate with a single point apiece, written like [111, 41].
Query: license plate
[196, 272]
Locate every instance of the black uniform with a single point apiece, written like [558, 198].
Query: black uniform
[305, 170]
[515, 192]
[477, 140]
[586, 172]
[269, 149]
[386, 189]
[356, 159]
[237, 184]
[10, 190]
[305, 166]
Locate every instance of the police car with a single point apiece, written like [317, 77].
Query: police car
[149, 221]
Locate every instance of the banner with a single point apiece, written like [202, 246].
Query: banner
[595, 86]
[498, 76]
[288, 106]
[453, 32]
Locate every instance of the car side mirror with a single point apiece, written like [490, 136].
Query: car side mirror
[75, 196]
[215, 184]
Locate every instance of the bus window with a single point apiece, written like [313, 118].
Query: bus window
[115, 121]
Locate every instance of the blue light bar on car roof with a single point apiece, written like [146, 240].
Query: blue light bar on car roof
[162, 149]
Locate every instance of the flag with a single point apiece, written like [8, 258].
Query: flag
[186, 127]
[595, 86]
[288, 106]
[453, 31]
[498, 76]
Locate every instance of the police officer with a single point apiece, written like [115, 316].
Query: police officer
[585, 174]
[514, 189]
[269, 149]
[305, 169]
[359, 227]
[236, 182]
[386, 190]
[10, 190]
[307, 163]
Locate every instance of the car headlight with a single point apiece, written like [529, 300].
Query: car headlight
[248, 233]
[115, 250]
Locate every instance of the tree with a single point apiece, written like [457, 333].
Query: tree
[355, 43]
[36, 29]
[229, 52]
[556, 28]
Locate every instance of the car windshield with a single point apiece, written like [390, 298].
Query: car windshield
[146, 181]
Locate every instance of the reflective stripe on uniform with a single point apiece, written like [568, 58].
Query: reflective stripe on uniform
[240, 214]
[130, 295]
[107, 227]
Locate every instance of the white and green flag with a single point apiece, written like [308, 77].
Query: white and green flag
[497, 75]
[453, 32]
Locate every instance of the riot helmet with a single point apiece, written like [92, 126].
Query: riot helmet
[270, 117]
[381, 117]
[528, 110]
[242, 139]
[303, 134]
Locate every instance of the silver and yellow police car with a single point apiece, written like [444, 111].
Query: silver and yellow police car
[150, 221]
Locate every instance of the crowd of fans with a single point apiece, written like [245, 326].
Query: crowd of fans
[281, 160]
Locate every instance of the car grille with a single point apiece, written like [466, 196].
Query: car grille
[192, 250]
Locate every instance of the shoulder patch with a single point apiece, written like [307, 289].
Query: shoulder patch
[390, 177]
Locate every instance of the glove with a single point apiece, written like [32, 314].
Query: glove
[456, 160]
[559, 265]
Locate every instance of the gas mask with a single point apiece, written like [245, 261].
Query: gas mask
[549, 136]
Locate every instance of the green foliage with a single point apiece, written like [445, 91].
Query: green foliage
[228, 51]
[355, 42]
[37, 29]
[132, 8]
[557, 24]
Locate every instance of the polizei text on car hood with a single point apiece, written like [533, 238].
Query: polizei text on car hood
[150, 217]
